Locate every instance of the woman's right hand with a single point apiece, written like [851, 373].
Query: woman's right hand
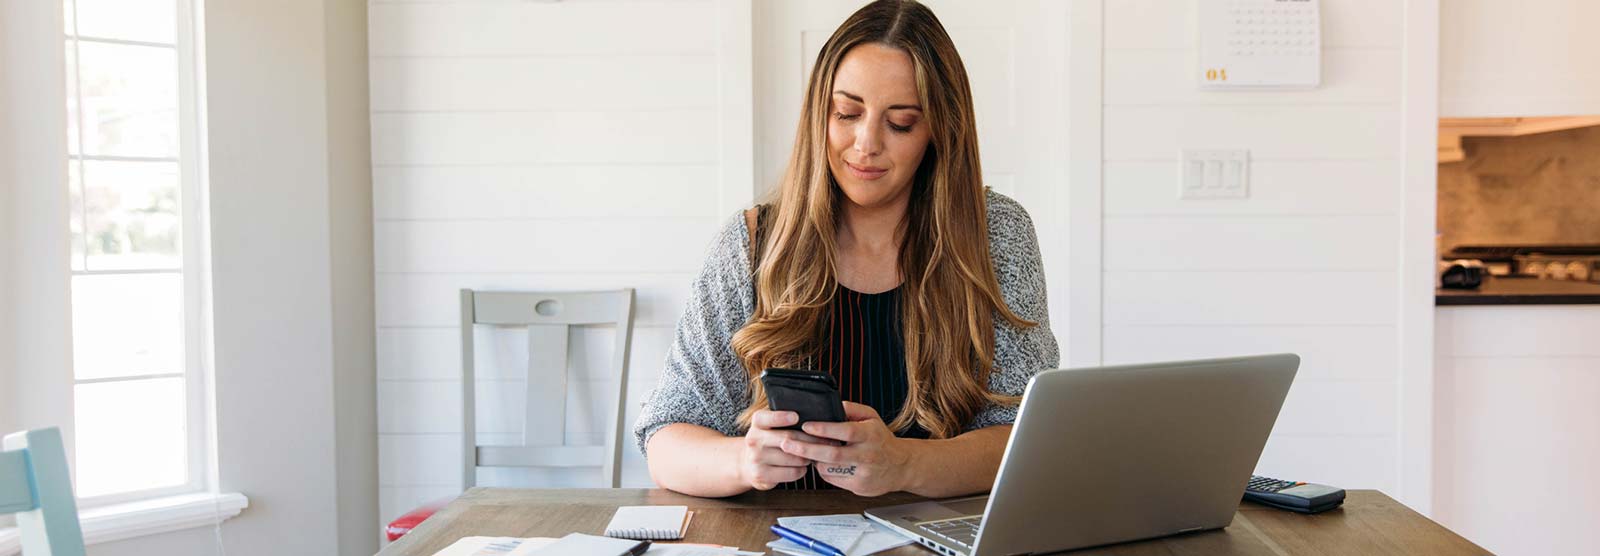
[762, 463]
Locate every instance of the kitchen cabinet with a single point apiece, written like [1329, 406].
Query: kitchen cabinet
[1516, 426]
[1529, 58]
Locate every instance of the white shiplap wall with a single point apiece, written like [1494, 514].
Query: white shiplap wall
[1307, 264]
[536, 146]
[578, 145]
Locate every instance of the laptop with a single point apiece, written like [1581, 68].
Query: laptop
[1112, 454]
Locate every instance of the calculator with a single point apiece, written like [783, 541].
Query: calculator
[1306, 498]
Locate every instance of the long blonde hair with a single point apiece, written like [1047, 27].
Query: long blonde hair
[950, 294]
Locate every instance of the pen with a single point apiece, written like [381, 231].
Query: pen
[808, 542]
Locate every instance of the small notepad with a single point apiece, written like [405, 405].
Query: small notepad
[657, 523]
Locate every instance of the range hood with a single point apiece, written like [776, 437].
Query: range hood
[1451, 130]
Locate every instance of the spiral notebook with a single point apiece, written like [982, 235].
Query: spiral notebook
[657, 523]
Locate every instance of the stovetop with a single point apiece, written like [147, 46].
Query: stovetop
[1488, 253]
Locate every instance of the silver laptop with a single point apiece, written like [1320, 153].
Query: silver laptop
[1113, 454]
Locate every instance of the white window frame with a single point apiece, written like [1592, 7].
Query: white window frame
[37, 27]
[195, 267]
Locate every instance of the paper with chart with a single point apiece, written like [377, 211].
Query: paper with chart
[493, 546]
[512, 546]
[852, 533]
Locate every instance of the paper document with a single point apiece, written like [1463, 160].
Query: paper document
[511, 546]
[852, 533]
[679, 549]
[493, 546]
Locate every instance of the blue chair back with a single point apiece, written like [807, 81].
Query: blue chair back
[35, 485]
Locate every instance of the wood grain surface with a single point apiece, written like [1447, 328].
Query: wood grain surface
[1369, 523]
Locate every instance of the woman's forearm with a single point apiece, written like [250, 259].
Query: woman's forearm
[695, 460]
[699, 461]
[966, 464]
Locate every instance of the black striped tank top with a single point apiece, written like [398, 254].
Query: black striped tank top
[864, 351]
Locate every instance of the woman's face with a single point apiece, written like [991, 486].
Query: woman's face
[876, 132]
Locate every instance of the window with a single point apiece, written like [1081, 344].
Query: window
[137, 272]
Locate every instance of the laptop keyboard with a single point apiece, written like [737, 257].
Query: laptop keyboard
[962, 531]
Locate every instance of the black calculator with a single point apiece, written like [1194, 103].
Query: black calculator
[1306, 498]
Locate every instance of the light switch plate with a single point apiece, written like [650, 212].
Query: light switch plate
[1214, 174]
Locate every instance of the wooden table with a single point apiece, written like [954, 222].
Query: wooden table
[1369, 523]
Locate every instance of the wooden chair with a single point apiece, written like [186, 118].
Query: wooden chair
[548, 318]
[35, 485]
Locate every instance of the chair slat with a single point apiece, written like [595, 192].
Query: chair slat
[16, 491]
[520, 308]
[545, 417]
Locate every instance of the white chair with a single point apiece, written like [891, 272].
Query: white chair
[548, 317]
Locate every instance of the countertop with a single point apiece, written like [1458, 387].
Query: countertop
[1522, 291]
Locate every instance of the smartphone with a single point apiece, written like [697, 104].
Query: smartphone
[812, 394]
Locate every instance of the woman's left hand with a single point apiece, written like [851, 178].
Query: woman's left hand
[872, 461]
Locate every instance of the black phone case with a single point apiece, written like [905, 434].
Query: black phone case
[814, 395]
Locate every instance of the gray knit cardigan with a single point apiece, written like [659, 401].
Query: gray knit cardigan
[704, 383]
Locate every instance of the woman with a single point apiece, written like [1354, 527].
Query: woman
[883, 261]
